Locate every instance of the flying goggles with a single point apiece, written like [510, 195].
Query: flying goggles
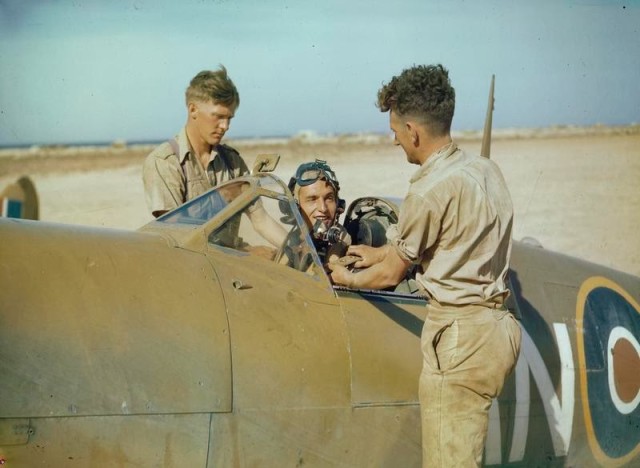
[308, 173]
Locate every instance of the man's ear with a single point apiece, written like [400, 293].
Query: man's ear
[412, 129]
[193, 110]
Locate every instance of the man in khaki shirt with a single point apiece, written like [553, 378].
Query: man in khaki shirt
[196, 160]
[455, 225]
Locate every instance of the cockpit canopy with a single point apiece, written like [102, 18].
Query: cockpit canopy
[257, 215]
[254, 215]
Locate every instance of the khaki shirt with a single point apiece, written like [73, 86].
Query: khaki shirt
[172, 179]
[455, 223]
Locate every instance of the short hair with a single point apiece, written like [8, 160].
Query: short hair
[423, 92]
[216, 86]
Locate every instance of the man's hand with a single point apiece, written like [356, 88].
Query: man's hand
[387, 268]
[346, 261]
[339, 274]
[369, 255]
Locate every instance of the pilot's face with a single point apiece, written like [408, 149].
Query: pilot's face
[318, 201]
[211, 120]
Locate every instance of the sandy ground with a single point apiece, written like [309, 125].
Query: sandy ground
[575, 192]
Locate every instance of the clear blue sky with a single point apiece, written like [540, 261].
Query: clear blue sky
[86, 71]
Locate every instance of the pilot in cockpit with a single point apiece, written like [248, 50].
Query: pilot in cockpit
[316, 190]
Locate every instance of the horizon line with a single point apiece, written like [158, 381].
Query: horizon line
[311, 136]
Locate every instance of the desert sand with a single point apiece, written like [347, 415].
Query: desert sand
[575, 190]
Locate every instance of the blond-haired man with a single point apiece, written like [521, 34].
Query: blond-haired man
[196, 160]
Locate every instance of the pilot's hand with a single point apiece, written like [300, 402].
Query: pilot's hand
[346, 261]
[369, 255]
[339, 274]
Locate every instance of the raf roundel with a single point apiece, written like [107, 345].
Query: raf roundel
[609, 357]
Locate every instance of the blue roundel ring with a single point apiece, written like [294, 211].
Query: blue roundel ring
[608, 333]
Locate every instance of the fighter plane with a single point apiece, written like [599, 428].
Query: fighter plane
[195, 342]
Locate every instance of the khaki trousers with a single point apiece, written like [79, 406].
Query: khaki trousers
[467, 354]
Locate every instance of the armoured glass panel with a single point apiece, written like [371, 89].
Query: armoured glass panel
[268, 228]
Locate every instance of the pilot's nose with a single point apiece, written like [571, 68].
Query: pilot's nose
[322, 205]
[224, 124]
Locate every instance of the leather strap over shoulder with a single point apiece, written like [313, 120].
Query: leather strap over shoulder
[176, 149]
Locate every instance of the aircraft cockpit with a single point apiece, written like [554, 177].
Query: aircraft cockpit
[257, 216]
[252, 215]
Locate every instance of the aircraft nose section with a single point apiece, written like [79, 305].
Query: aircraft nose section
[108, 323]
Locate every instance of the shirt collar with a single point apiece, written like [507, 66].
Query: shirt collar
[434, 160]
[185, 147]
